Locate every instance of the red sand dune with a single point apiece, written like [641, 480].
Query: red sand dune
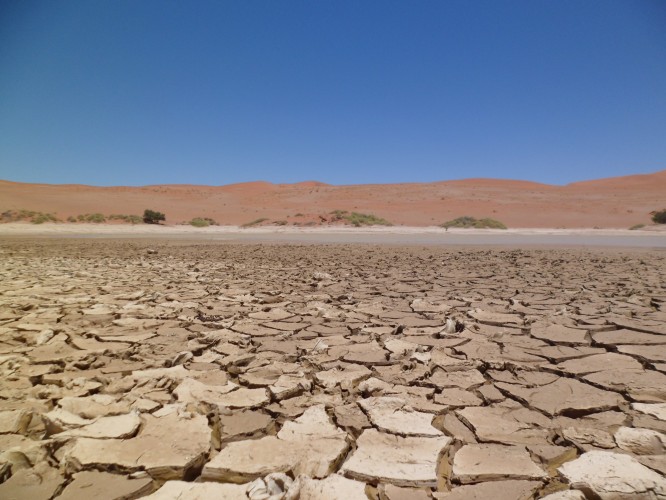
[618, 202]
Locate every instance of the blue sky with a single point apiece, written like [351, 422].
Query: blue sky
[128, 92]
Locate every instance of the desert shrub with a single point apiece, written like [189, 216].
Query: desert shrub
[298, 215]
[202, 222]
[122, 217]
[71, 218]
[130, 219]
[471, 222]
[489, 223]
[40, 218]
[280, 222]
[153, 217]
[338, 215]
[255, 222]
[10, 216]
[27, 215]
[358, 219]
[659, 217]
[636, 226]
[199, 222]
[464, 221]
[95, 218]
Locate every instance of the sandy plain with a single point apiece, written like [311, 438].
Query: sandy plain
[176, 367]
[651, 237]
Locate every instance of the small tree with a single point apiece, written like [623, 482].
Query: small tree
[152, 217]
[659, 217]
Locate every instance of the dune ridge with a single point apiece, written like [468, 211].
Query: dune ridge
[617, 202]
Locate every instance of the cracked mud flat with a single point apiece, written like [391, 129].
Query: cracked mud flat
[180, 370]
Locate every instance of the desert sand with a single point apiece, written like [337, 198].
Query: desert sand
[649, 237]
[619, 202]
[183, 368]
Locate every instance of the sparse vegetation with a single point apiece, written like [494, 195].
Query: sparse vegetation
[471, 222]
[636, 226]
[298, 215]
[28, 215]
[280, 222]
[98, 218]
[255, 222]
[659, 217]
[202, 222]
[95, 218]
[358, 219]
[40, 218]
[338, 215]
[131, 219]
[153, 217]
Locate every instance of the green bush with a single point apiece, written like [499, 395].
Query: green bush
[202, 222]
[358, 219]
[131, 219]
[27, 214]
[659, 217]
[197, 222]
[122, 217]
[40, 218]
[153, 217]
[95, 218]
[338, 215]
[471, 222]
[636, 226]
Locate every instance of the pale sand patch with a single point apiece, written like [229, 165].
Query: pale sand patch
[654, 238]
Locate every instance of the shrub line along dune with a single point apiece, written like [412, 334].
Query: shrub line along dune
[29, 215]
[356, 219]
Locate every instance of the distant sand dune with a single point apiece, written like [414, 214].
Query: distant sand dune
[618, 202]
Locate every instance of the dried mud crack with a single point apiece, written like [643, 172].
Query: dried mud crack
[177, 370]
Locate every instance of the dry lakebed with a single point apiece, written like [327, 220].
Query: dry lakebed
[181, 369]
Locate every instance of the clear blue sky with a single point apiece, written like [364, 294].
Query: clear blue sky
[126, 92]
